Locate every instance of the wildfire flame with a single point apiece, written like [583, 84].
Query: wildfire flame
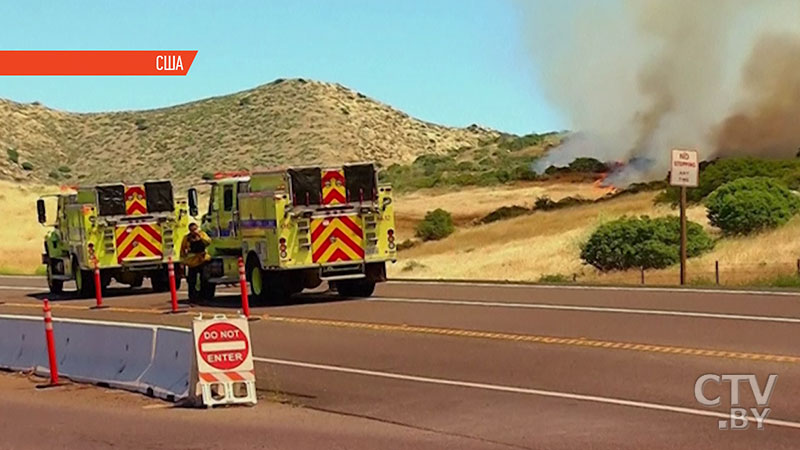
[600, 184]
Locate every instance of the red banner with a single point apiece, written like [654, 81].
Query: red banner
[96, 62]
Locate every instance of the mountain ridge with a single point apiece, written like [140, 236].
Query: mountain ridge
[287, 121]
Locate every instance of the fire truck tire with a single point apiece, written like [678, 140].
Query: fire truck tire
[56, 286]
[355, 288]
[207, 290]
[257, 279]
[84, 283]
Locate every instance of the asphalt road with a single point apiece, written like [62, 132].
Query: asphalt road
[481, 366]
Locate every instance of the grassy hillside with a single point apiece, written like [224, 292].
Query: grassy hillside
[22, 243]
[546, 245]
[285, 122]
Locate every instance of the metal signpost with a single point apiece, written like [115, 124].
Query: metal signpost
[684, 172]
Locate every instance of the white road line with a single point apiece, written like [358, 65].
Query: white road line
[603, 309]
[599, 288]
[521, 390]
[23, 288]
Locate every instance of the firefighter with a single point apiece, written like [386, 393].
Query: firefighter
[194, 256]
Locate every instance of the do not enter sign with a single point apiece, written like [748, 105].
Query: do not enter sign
[223, 345]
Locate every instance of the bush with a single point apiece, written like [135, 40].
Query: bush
[437, 224]
[27, 166]
[54, 175]
[13, 155]
[406, 244]
[141, 124]
[749, 205]
[717, 173]
[587, 165]
[64, 169]
[554, 278]
[643, 242]
[505, 212]
[208, 176]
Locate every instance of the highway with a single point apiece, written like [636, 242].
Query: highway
[469, 365]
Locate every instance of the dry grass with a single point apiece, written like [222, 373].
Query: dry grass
[472, 203]
[527, 247]
[22, 243]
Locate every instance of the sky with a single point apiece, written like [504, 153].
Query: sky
[454, 62]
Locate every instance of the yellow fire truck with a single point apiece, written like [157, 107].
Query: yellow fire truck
[295, 228]
[129, 232]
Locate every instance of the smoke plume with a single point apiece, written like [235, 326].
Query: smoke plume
[639, 77]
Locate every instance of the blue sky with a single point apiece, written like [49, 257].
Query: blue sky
[446, 61]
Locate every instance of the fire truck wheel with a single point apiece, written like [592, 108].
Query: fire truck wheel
[84, 283]
[207, 290]
[56, 286]
[256, 277]
[355, 288]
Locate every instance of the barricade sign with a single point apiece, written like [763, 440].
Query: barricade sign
[225, 371]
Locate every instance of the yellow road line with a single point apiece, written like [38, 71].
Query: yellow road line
[550, 340]
[57, 306]
[477, 334]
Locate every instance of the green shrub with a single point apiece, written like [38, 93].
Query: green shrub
[587, 165]
[554, 278]
[64, 169]
[643, 242]
[505, 212]
[749, 205]
[437, 224]
[406, 244]
[54, 174]
[717, 173]
[27, 166]
[13, 155]
[141, 124]
[208, 176]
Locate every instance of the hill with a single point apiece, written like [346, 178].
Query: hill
[284, 122]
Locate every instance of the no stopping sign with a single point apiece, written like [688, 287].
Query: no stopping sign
[222, 345]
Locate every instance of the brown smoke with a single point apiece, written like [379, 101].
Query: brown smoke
[639, 77]
[767, 121]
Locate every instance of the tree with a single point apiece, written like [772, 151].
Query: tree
[643, 242]
[750, 205]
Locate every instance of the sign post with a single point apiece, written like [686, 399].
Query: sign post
[684, 172]
[224, 355]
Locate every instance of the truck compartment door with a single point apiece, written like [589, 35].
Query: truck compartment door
[337, 239]
[138, 242]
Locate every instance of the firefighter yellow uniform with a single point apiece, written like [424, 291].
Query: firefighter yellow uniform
[197, 256]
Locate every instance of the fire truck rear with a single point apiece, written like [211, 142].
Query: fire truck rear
[295, 228]
[128, 232]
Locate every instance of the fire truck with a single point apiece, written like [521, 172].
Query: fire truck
[128, 232]
[297, 227]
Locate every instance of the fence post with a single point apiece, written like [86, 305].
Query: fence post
[798, 266]
[716, 271]
[642, 271]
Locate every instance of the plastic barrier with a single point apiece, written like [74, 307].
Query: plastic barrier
[103, 353]
[144, 358]
[168, 376]
[22, 343]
